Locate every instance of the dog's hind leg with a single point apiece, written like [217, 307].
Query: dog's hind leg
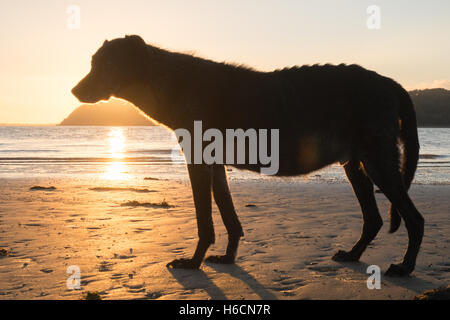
[372, 222]
[200, 176]
[224, 201]
[382, 166]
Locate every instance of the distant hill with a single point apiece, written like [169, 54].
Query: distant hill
[110, 113]
[432, 107]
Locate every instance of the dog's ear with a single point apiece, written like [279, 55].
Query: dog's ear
[139, 50]
[106, 41]
[135, 38]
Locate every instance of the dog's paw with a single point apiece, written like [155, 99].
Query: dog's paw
[398, 270]
[220, 259]
[344, 256]
[183, 264]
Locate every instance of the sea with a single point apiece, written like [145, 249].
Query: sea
[152, 152]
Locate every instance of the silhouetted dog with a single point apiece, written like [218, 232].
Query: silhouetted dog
[325, 114]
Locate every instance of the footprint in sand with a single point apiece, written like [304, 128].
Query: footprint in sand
[117, 276]
[153, 295]
[135, 288]
[178, 250]
[296, 235]
[85, 281]
[105, 266]
[326, 270]
[124, 256]
[256, 251]
[287, 283]
[326, 247]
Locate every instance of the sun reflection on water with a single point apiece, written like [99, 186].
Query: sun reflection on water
[116, 143]
[116, 169]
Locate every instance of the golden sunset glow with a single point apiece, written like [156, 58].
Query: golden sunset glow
[191, 151]
[116, 143]
[38, 72]
[116, 170]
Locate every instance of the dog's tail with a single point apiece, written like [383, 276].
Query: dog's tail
[410, 140]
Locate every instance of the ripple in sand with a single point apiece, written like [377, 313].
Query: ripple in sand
[153, 295]
[326, 270]
[124, 256]
[442, 293]
[104, 189]
[135, 288]
[105, 266]
[40, 188]
[162, 204]
[46, 270]
[140, 230]
[117, 276]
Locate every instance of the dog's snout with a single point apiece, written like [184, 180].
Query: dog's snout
[81, 94]
[88, 90]
[75, 91]
[79, 91]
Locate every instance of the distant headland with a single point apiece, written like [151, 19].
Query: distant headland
[109, 113]
[432, 107]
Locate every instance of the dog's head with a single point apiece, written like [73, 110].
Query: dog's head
[116, 65]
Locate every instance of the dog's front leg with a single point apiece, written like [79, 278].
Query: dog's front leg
[200, 176]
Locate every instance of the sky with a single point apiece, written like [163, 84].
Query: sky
[43, 53]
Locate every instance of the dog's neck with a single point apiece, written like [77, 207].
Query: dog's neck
[141, 95]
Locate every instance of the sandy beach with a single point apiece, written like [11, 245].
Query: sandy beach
[121, 238]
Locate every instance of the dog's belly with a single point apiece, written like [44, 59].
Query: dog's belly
[309, 156]
[317, 151]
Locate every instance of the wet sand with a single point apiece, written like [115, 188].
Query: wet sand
[291, 228]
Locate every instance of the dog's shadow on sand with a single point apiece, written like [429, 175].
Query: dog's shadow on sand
[412, 282]
[198, 279]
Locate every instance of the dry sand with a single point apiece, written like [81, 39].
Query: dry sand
[290, 235]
